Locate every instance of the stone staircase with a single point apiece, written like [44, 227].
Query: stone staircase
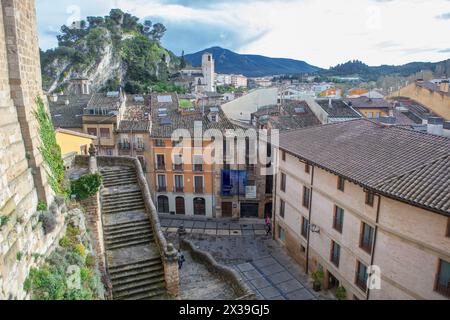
[135, 266]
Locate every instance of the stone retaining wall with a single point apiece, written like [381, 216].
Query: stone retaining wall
[241, 289]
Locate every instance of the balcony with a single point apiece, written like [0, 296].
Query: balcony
[178, 189]
[161, 189]
[178, 168]
[361, 283]
[135, 146]
[199, 190]
[198, 168]
[160, 167]
[442, 289]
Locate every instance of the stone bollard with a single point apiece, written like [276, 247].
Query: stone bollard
[171, 272]
[93, 167]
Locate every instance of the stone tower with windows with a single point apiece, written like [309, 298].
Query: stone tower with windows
[208, 68]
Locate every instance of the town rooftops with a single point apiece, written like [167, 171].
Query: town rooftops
[432, 86]
[289, 116]
[136, 117]
[167, 117]
[403, 164]
[67, 111]
[368, 103]
[412, 109]
[106, 102]
[338, 109]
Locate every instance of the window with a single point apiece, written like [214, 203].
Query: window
[282, 234]
[179, 183]
[162, 183]
[283, 182]
[160, 162]
[282, 208]
[366, 238]
[92, 131]
[307, 168]
[338, 223]
[199, 207]
[443, 278]
[378, 115]
[178, 162]
[306, 197]
[198, 184]
[105, 133]
[159, 143]
[335, 253]
[198, 163]
[370, 115]
[305, 227]
[283, 155]
[361, 276]
[370, 197]
[341, 184]
[163, 204]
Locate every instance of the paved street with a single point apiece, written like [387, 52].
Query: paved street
[261, 261]
[213, 227]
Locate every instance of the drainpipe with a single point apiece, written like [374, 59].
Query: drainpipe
[274, 195]
[309, 221]
[372, 259]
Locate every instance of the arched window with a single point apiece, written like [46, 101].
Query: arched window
[180, 206]
[163, 204]
[199, 207]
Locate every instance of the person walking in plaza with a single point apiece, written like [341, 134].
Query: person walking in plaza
[181, 259]
[268, 226]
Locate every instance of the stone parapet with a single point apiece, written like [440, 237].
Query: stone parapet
[241, 289]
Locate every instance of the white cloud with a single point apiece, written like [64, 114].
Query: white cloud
[321, 32]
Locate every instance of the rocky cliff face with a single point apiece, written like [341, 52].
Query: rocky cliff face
[110, 51]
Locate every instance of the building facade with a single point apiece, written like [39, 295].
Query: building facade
[340, 214]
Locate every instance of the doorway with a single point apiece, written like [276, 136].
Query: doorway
[180, 206]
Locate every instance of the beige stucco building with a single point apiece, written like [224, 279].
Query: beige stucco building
[341, 211]
[434, 95]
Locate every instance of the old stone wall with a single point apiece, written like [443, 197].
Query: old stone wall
[23, 180]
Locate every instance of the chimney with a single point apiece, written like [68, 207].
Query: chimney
[446, 129]
[330, 103]
[444, 86]
[435, 126]
[54, 97]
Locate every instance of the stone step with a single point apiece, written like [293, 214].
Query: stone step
[121, 194]
[144, 227]
[124, 209]
[128, 224]
[117, 170]
[138, 284]
[155, 294]
[127, 235]
[129, 239]
[150, 289]
[120, 199]
[122, 182]
[138, 271]
[118, 173]
[119, 283]
[125, 204]
[128, 244]
[131, 266]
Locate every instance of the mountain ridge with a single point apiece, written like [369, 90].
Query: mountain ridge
[251, 65]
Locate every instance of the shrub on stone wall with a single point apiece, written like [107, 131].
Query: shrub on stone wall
[87, 186]
[66, 274]
[48, 221]
[50, 150]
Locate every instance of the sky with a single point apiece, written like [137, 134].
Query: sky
[320, 32]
